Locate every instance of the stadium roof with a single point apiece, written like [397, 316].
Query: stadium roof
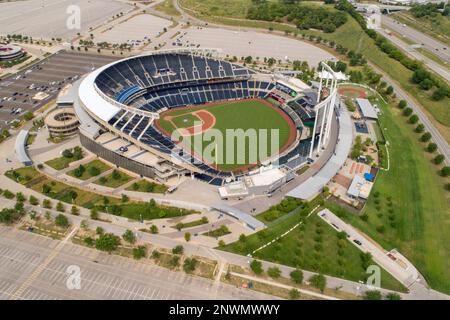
[96, 103]
[87, 124]
[250, 221]
[315, 184]
[367, 109]
[21, 152]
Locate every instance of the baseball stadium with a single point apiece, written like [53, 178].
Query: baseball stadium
[143, 113]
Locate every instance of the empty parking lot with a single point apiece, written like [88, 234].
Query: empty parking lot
[103, 276]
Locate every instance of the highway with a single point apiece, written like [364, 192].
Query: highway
[418, 37]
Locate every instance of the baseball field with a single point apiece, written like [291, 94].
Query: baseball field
[220, 126]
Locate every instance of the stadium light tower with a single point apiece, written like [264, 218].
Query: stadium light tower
[326, 98]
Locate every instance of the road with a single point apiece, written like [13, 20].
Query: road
[418, 37]
[392, 261]
[103, 276]
[436, 67]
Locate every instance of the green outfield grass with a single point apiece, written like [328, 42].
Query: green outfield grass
[245, 115]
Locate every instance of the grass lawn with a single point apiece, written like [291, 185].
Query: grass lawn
[415, 216]
[59, 163]
[113, 181]
[65, 193]
[191, 224]
[167, 8]
[233, 115]
[147, 186]
[313, 246]
[217, 233]
[87, 174]
[23, 175]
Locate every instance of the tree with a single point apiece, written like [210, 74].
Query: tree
[221, 243]
[139, 252]
[389, 90]
[420, 128]
[115, 175]
[99, 230]
[274, 272]
[33, 200]
[74, 210]
[432, 147]
[189, 265]
[407, 112]
[179, 249]
[94, 171]
[125, 198]
[402, 104]
[425, 137]
[372, 295]
[294, 294]
[107, 242]
[297, 276]
[413, 119]
[61, 221]
[153, 229]
[439, 159]
[318, 281]
[20, 197]
[60, 207]
[187, 236]
[94, 214]
[256, 267]
[129, 236]
[445, 171]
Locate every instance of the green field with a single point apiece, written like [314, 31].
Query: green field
[415, 216]
[87, 174]
[245, 115]
[313, 246]
[349, 35]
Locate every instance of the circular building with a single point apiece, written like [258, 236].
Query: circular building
[139, 112]
[10, 52]
[62, 122]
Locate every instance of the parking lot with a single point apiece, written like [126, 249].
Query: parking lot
[35, 86]
[102, 276]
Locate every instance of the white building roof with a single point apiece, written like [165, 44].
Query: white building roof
[315, 184]
[359, 188]
[20, 144]
[367, 109]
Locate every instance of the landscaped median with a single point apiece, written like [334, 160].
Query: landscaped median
[57, 190]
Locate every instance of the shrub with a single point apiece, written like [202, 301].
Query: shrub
[274, 272]
[256, 267]
[8, 194]
[179, 249]
[74, 210]
[129, 236]
[318, 281]
[372, 295]
[139, 252]
[107, 242]
[61, 221]
[33, 200]
[94, 214]
[294, 294]
[60, 207]
[393, 296]
[297, 276]
[189, 265]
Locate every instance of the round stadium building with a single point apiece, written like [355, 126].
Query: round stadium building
[143, 113]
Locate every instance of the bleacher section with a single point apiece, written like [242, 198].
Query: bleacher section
[168, 80]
